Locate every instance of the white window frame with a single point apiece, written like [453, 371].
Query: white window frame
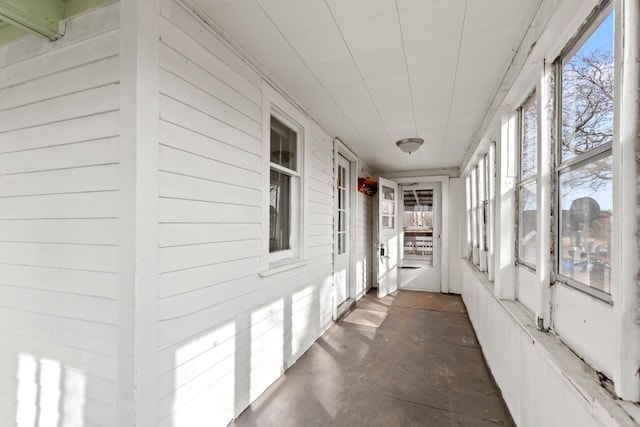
[526, 181]
[593, 155]
[469, 217]
[480, 212]
[475, 257]
[491, 210]
[276, 105]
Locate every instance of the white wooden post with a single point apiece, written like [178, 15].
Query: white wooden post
[626, 161]
[504, 286]
[138, 213]
[544, 200]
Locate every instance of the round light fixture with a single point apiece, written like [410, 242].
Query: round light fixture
[409, 145]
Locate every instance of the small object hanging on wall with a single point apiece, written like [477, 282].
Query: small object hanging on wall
[368, 186]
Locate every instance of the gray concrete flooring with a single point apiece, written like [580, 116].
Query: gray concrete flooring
[421, 367]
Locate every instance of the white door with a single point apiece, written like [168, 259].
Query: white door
[387, 237]
[421, 237]
[342, 231]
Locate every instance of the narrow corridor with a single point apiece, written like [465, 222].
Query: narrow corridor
[421, 367]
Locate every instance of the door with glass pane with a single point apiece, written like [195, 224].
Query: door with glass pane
[343, 220]
[387, 237]
[421, 237]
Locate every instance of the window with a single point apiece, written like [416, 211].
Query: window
[469, 214]
[473, 219]
[418, 225]
[527, 187]
[388, 208]
[284, 190]
[343, 212]
[480, 214]
[584, 170]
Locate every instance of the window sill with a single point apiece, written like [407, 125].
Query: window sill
[281, 267]
[578, 377]
[517, 310]
[482, 275]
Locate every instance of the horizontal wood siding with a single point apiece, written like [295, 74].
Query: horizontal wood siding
[59, 208]
[225, 332]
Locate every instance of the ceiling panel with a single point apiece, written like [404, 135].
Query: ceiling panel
[336, 72]
[495, 43]
[370, 35]
[319, 46]
[432, 21]
[362, 113]
[381, 63]
[374, 71]
[298, 17]
[483, 71]
[243, 20]
[357, 10]
[389, 85]
[436, 53]
[349, 92]
[275, 54]
[491, 14]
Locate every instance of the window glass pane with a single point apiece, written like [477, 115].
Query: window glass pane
[587, 94]
[527, 223]
[474, 208]
[585, 225]
[529, 148]
[279, 212]
[469, 208]
[418, 225]
[283, 145]
[388, 193]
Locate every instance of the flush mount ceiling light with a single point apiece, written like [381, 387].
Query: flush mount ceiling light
[409, 145]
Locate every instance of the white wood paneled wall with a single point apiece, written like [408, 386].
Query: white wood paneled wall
[225, 332]
[59, 208]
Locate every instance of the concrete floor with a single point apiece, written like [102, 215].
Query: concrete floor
[421, 367]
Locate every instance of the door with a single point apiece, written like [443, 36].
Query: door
[421, 237]
[343, 221]
[387, 237]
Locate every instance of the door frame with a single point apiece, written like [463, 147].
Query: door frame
[380, 238]
[340, 149]
[445, 286]
[425, 275]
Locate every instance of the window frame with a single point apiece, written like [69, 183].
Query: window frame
[588, 157]
[475, 243]
[276, 105]
[527, 181]
[294, 190]
[480, 210]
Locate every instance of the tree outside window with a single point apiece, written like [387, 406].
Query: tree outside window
[585, 168]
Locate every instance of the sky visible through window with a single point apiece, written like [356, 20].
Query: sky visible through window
[602, 37]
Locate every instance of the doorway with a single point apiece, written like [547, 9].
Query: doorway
[343, 241]
[420, 254]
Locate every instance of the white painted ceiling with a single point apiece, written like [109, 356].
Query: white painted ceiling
[376, 71]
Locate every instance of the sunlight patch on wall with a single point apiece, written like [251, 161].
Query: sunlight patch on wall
[204, 377]
[48, 393]
[266, 347]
